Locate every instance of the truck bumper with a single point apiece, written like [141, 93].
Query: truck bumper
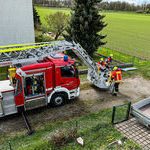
[74, 93]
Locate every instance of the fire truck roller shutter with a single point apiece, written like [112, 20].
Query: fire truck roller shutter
[61, 90]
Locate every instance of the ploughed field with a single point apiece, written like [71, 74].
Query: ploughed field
[126, 32]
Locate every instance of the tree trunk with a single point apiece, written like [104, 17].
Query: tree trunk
[57, 35]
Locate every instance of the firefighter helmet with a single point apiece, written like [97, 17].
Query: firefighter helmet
[115, 68]
[102, 59]
[111, 55]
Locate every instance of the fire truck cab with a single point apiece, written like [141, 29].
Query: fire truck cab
[51, 81]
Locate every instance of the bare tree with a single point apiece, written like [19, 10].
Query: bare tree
[57, 23]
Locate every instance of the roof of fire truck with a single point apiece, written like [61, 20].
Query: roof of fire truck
[57, 59]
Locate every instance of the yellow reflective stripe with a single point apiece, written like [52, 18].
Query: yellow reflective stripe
[118, 77]
[118, 81]
[23, 48]
[20, 44]
[118, 72]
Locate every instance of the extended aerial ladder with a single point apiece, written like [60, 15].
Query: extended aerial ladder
[30, 53]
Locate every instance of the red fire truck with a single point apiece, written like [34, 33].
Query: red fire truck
[50, 78]
[51, 81]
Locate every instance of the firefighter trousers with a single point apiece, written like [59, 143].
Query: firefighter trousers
[116, 87]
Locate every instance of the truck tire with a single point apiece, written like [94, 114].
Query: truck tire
[58, 99]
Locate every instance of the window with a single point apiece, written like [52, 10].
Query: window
[19, 88]
[67, 71]
[34, 85]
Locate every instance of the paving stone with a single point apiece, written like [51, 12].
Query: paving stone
[135, 131]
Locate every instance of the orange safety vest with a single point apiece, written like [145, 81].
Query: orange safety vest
[108, 60]
[117, 76]
[100, 63]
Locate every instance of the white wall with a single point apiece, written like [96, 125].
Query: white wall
[16, 22]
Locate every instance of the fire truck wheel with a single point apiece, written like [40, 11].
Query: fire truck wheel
[58, 99]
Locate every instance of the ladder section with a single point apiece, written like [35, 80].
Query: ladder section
[83, 55]
[27, 52]
[32, 52]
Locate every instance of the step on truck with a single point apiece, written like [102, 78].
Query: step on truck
[43, 76]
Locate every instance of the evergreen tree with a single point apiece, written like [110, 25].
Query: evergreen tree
[85, 25]
[36, 18]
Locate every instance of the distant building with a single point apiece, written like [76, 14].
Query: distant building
[16, 22]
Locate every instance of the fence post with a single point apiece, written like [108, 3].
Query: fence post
[133, 59]
[138, 60]
[10, 145]
[128, 112]
[76, 123]
[119, 56]
[113, 114]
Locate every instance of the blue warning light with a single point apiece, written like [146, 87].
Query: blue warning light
[66, 58]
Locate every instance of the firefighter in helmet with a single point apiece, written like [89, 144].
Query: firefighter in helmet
[109, 59]
[116, 78]
[101, 65]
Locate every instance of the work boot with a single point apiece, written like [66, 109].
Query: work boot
[115, 94]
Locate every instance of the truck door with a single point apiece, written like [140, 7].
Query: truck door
[68, 78]
[19, 98]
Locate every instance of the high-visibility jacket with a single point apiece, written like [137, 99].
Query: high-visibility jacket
[101, 65]
[117, 76]
[108, 60]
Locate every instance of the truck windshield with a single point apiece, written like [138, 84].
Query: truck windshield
[18, 89]
[67, 71]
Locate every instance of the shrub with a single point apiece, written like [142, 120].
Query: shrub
[42, 38]
[61, 139]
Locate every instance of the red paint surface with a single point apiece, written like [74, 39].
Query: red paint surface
[51, 67]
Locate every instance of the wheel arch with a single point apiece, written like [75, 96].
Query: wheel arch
[59, 90]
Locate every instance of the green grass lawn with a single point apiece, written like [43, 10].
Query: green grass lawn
[44, 11]
[95, 129]
[126, 32]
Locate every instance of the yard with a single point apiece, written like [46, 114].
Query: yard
[126, 32]
[91, 115]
